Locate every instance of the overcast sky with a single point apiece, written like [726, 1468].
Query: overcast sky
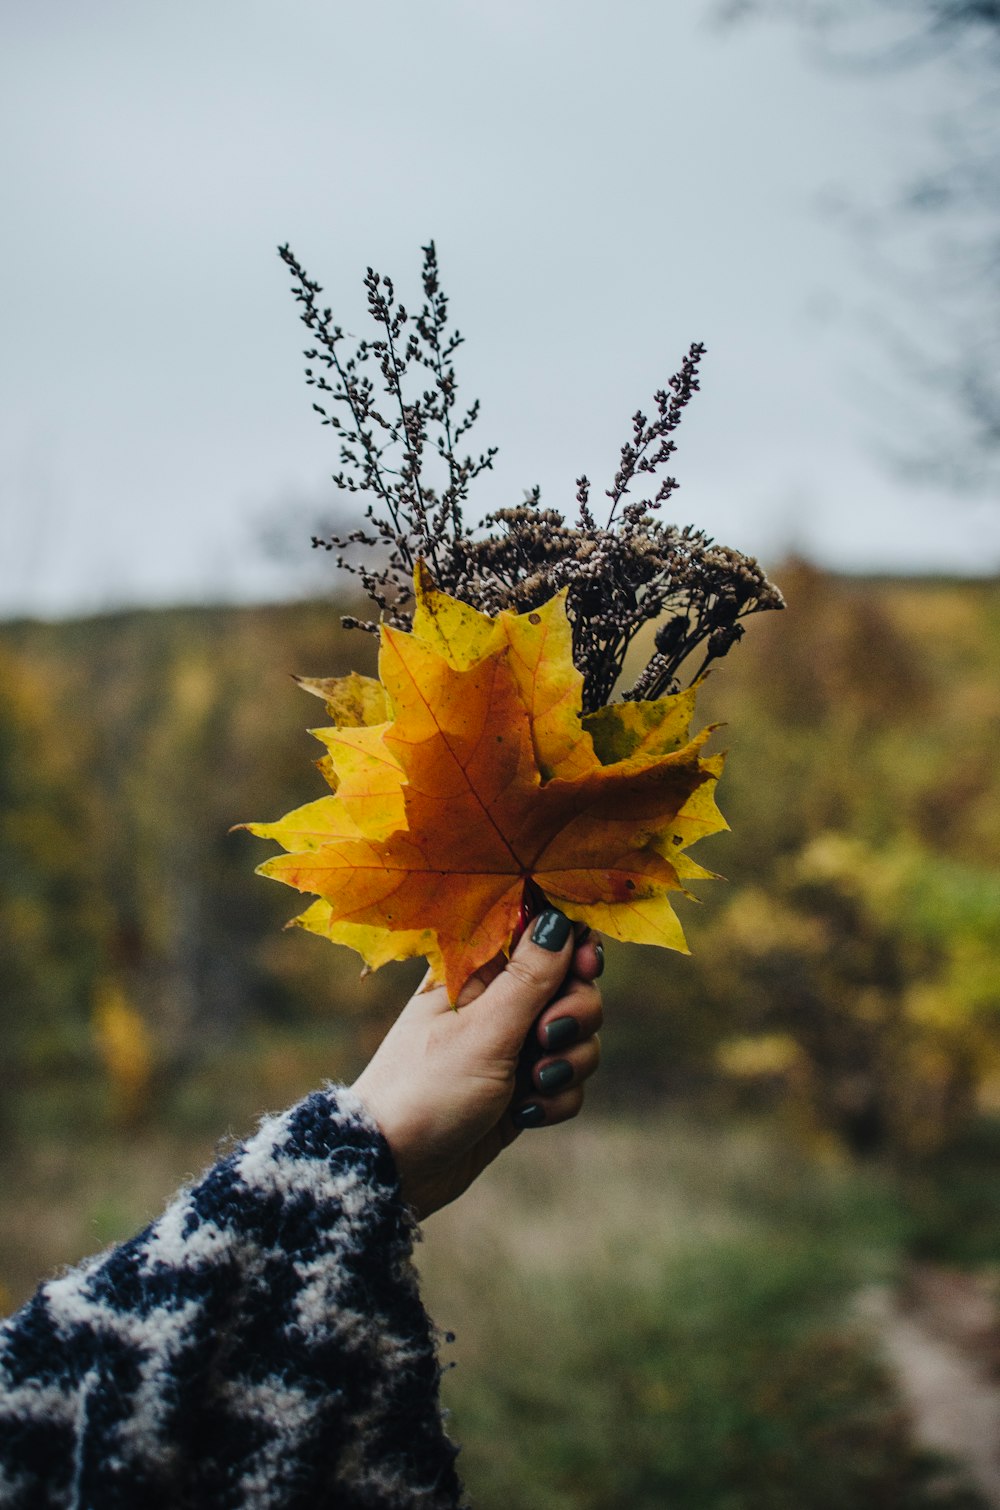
[606, 181]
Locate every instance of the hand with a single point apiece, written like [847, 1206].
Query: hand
[441, 1086]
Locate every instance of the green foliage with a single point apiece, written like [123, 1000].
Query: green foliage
[953, 1199]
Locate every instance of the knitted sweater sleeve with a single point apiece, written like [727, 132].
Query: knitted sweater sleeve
[261, 1345]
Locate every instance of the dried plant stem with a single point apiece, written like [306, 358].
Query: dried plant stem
[633, 570]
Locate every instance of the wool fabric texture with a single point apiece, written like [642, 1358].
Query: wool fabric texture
[262, 1346]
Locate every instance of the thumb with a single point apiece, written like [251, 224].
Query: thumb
[530, 978]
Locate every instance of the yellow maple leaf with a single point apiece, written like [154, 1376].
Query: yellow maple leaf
[485, 779]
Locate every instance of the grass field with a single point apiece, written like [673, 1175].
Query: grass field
[648, 1313]
[664, 1314]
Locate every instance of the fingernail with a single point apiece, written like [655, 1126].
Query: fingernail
[531, 1115]
[599, 951]
[551, 930]
[554, 1076]
[560, 1032]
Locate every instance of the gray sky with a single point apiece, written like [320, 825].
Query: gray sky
[606, 181]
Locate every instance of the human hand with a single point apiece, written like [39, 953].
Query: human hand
[442, 1086]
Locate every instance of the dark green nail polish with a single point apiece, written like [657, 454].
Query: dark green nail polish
[561, 1032]
[599, 951]
[554, 1076]
[551, 930]
[531, 1115]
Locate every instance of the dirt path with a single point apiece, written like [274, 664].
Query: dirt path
[942, 1337]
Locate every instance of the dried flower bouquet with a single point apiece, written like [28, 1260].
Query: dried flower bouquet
[488, 762]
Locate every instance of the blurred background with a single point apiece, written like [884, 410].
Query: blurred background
[764, 1270]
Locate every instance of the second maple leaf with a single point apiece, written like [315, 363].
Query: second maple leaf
[486, 779]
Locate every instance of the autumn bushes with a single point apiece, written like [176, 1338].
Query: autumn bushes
[853, 972]
[876, 967]
[848, 972]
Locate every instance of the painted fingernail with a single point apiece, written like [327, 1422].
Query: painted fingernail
[531, 1115]
[561, 1032]
[551, 930]
[599, 951]
[554, 1076]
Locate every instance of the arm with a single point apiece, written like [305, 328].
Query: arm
[263, 1343]
[240, 1345]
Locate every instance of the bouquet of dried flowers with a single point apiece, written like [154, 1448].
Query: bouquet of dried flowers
[488, 761]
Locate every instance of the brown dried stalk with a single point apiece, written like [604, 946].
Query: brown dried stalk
[399, 451]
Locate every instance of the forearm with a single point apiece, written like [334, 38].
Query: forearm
[263, 1343]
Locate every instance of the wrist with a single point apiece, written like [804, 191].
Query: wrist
[381, 1110]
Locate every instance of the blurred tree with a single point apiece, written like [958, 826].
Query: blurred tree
[858, 963]
[871, 711]
[130, 744]
[171, 728]
[51, 913]
[917, 29]
[834, 722]
[880, 966]
[125, 1048]
[936, 242]
[182, 706]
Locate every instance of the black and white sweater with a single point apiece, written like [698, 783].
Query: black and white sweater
[261, 1345]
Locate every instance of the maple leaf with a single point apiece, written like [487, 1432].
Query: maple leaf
[367, 784]
[485, 779]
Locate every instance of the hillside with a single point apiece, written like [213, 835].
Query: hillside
[858, 925]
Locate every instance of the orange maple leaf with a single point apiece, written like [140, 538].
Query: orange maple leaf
[485, 779]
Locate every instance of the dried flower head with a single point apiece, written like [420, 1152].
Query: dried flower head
[399, 434]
